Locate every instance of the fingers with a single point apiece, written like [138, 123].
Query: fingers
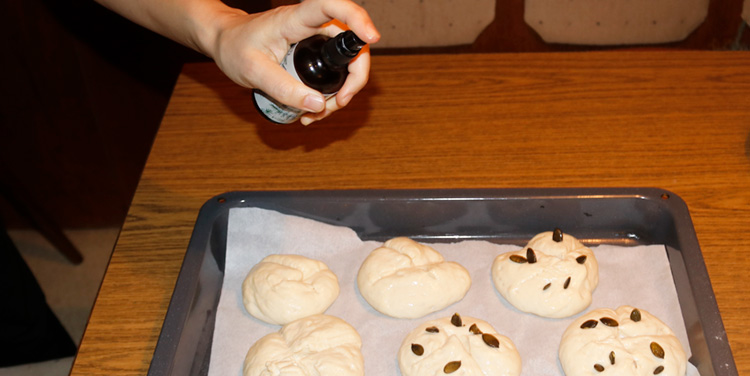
[331, 107]
[314, 13]
[359, 73]
[279, 84]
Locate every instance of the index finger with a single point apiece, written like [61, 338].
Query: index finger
[314, 13]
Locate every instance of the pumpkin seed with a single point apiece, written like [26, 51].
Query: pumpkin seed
[590, 324]
[530, 256]
[518, 259]
[475, 329]
[417, 349]
[612, 357]
[557, 235]
[599, 367]
[567, 283]
[451, 367]
[456, 320]
[432, 329]
[609, 321]
[490, 340]
[635, 315]
[581, 259]
[658, 370]
[657, 350]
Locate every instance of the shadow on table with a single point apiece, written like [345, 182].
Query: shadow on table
[339, 126]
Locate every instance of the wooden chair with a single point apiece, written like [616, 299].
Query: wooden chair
[414, 26]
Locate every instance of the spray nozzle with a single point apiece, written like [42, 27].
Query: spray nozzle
[343, 48]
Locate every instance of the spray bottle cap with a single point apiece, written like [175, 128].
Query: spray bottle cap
[343, 48]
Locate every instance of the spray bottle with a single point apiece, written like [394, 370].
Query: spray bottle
[319, 62]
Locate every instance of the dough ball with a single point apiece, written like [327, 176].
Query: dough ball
[318, 345]
[626, 341]
[553, 276]
[463, 345]
[284, 288]
[405, 279]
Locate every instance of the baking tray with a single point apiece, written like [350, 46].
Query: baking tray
[617, 216]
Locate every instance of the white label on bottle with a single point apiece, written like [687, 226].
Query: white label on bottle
[273, 109]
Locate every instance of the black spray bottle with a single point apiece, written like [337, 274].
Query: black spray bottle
[319, 62]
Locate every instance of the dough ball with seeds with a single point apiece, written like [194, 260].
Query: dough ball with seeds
[459, 346]
[320, 345]
[284, 288]
[554, 275]
[625, 341]
[406, 279]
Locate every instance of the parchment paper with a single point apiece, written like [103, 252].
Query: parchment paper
[638, 276]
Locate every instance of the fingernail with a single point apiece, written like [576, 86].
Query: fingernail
[373, 35]
[314, 103]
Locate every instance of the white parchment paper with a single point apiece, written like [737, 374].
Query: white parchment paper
[638, 276]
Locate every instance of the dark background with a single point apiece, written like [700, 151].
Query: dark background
[84, 91]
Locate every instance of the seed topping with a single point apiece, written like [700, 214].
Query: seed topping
[567, 283]
[599, 367]
[557, 235]
[612, 357]
[658, 370]
[518, 259]
[475, 329]
[635, 315]
[417, 349]
[456, 320]
[451, 367]
[657, 350]
[609, 321]
[490, 340]
[581, 259]
[432, 329]
[590, 324]
[530, 256]
[547, 286]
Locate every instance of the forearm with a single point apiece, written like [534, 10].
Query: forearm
[193, 23]
[249, 47]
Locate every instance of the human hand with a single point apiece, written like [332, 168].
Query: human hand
[249, 48]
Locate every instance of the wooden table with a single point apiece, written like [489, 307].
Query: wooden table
[668, 119]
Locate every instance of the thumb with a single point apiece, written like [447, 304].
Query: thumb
[282, 86]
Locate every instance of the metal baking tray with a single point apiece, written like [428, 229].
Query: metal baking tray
[619, 216]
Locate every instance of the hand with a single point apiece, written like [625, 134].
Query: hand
[250, 47]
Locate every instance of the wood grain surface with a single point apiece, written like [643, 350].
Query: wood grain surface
[673, 120]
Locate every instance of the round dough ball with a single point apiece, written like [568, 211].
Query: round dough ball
[318, 345]
[284, 288]
[405, 279]
[469, 344]
[626, 342]
[553, 276]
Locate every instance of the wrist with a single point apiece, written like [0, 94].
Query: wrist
[211, 20]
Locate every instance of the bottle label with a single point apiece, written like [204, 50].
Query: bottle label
[273, 109]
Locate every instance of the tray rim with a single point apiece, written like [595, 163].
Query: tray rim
[220, 204]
